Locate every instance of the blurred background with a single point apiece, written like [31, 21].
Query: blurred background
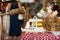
[32, 7]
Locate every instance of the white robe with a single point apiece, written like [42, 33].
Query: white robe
[6, 21]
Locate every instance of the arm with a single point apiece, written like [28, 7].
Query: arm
[20, 7]
[8, 7]
[19, 4]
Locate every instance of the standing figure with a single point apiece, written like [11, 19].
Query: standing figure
[4, 20]
[15, 23]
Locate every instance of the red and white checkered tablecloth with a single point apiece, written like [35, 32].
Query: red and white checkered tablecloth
[39, 36]
[58, 37]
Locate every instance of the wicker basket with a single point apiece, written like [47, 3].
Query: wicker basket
[51, 24]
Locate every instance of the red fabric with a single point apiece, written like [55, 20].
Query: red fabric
[38, 36]
[58, 37]
[3, 6]
[49, 36]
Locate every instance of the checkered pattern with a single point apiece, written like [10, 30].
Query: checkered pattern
[49, 36]
[25, 36]
[58, 37]
[38, 36]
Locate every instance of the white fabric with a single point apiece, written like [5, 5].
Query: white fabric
[32, 29]
[30, 1]
[49, 9]
[39, 14]
[42, 13]
[27, 25]
[20, 16]
[26, 1]
[56, 32]
[6, 21]
[23, 1]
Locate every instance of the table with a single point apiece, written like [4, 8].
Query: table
[30, 33]
[39, 36]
